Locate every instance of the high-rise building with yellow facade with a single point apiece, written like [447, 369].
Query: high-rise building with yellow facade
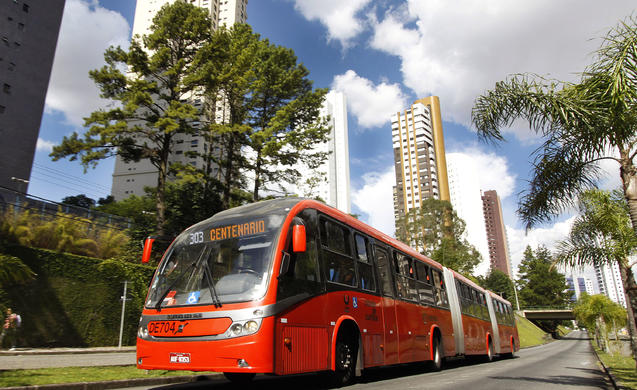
[419, 155]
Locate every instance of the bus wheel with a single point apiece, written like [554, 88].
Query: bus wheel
[345, 364]
[511, 355]
[239, 377]
[436, 363]
[490, 353]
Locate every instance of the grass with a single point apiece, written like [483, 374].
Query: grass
[622, 368]
[530, 335]
[45, 376]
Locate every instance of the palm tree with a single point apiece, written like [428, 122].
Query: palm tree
[602, 234]
[582, 124]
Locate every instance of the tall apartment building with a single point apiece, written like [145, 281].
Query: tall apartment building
[130, 178]
[330, 181]
[29, 31]
[466, 199]
[496, 232]
[610, 282]
[578, 285]
[419, 155]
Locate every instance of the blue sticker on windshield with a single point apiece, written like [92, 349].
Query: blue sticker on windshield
[194, 297]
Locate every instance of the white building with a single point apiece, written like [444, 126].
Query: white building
[466, 199]
[331, 181]
[130, 178]
[610, 282]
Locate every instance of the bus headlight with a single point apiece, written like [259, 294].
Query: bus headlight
[236, 329]
[244, 328]
[142, 332]
[251, 326]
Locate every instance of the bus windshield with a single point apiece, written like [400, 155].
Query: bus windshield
[217, 262]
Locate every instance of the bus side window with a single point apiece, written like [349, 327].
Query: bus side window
[400, 263]
[365, 268]
[336, 254]
[384, 271]
[303, 273]
[439, 286]
[426, 292]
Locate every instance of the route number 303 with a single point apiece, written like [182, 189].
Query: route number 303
[195, 238]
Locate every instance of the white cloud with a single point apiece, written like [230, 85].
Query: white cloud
[87, 30]
[493, 170]
[376, 200]
[337, 15]
[459, 50]
[371, 104]
[44, 145]
[519, 239]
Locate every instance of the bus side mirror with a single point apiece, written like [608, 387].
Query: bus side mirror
[299, 240]
[148, 248]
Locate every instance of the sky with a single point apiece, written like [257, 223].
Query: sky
[383, 55]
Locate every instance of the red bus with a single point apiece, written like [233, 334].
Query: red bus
[291, 285]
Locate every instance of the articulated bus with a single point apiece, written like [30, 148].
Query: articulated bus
[291, 286]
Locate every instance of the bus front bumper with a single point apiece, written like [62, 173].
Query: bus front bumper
[250, 354]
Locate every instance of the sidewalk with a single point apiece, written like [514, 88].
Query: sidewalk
[59, 351]
[34, 358]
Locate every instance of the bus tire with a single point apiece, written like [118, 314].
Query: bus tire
[511, 355]
[346, 352]
[240, 378]
[436, 363]
[490, 351]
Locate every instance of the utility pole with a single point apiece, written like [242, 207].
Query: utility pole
[121, 323]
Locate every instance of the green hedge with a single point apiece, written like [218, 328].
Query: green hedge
[74, 300]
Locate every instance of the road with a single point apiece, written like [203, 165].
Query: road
[565, 364]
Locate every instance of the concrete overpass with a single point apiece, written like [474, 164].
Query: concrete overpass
[535, 314]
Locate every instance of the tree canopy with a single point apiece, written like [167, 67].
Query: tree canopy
[152, 105]
[250, 101]
[540, 284]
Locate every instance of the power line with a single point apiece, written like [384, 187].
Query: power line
[80, 190]
[66, 175]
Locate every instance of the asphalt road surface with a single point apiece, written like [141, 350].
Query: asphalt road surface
[565, 364]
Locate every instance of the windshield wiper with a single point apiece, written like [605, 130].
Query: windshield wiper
[211, 286]
[192, 267]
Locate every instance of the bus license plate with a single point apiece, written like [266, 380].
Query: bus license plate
[177, 357]
[166, 328]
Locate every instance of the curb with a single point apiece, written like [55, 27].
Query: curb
[116, 384]
[606, 370]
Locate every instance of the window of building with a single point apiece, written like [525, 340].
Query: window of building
[6, 88]
[21, 26]
[25, 7]
[2, 108]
